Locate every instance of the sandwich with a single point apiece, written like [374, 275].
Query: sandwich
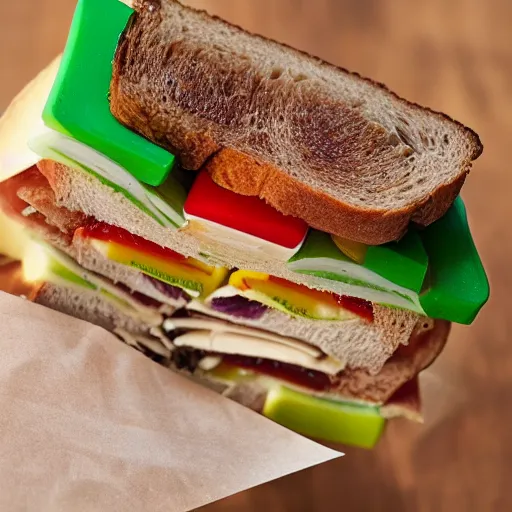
[276, 228]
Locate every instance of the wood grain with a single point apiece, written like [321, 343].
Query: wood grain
[453, 56]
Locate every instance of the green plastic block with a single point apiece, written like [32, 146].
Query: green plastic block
[404, 263]
[78, 104]
[457, 286]
[324, 419]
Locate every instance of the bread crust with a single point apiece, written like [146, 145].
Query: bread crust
[244, 175]
[406, 363]
[406, 402]
[200, 128]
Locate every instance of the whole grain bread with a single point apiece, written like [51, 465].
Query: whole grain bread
[361, 344]
[404, 365]
[367, 345]
[93, 308]
[57, 225]
[88, 306]
[401, 370]
[352, 384]
[315, 141]
[80, 191]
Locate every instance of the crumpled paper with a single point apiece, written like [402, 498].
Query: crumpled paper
[90, 424]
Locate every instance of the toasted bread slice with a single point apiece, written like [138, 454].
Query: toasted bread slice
[316, 141]
[404, 365]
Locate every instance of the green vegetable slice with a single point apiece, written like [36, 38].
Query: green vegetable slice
[319, 257]
[404, 262]
[324, 419]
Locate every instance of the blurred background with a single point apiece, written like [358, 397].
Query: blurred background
[454, 56]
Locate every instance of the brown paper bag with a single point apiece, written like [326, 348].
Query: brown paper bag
[90, 424]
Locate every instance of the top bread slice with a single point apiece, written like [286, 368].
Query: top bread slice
[315, 141]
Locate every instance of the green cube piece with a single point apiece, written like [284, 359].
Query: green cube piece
[78, 105]
[404, 262]
[457, 286]
[322, 419]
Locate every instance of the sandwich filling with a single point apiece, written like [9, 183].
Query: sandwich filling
[119, 245]
[205, 290]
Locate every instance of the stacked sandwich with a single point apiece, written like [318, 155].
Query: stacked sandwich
[279, 229]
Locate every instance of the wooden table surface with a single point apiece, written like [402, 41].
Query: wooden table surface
[454, 56]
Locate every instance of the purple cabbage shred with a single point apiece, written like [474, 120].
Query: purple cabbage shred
[170, 291]
[238, 306]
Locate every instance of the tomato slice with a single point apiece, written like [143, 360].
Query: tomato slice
[108, 233]
[360, 307]
[248, 214]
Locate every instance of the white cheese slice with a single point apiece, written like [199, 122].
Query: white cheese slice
[172, 324]
[209, 231]
[236, 343]
[139, 340]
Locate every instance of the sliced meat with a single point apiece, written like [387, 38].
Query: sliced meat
[30, 188]
[14, 207]
[42, 198]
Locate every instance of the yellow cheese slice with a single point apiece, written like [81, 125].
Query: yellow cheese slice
[290, 298]
[195, 277]
[13, 238]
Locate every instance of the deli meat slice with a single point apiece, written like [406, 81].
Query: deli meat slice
[29, 199]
